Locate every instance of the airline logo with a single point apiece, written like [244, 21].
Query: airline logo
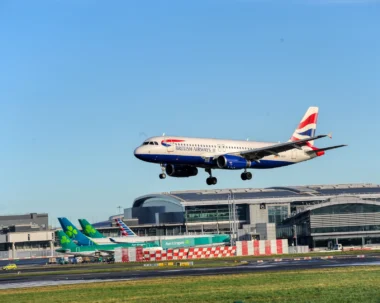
[169, 142]
[125, 230]
[307, 126]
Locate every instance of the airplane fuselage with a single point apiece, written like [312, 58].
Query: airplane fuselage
[201, 152]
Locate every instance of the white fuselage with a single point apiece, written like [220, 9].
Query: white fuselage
[202, 152]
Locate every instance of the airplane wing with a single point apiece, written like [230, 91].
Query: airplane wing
[258, 153]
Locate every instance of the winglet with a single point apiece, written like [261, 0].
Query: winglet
[329, 135]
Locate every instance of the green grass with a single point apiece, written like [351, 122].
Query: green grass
[352, 284]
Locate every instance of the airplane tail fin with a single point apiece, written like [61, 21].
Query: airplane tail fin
[308, 125]
[89, 230]
[125, 230]
[66, 242]
[73, 233]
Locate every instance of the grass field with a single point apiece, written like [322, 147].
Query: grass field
[353, 284]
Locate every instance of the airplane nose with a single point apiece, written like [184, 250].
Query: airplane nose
[138, 153]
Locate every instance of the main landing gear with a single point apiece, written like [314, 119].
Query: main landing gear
[210, 180]
[246, 176]
[162, 175]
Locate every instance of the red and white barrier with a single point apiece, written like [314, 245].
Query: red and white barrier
[131, 254]
[190, 253]
[242, 248]
[262, 247]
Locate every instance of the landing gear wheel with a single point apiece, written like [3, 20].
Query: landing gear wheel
[211, 181]
[162, 176]
[246, 176]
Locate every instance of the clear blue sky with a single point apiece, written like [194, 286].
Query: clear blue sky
[83, 82]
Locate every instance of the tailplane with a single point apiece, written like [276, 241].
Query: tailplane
[308, 125]
[125, 230]
[89, 230]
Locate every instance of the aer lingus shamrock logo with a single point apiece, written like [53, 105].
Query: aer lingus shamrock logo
[65, 240]
[71, 231]
[90, 230]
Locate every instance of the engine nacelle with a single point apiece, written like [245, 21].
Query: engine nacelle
[232, 162]
[181, 171]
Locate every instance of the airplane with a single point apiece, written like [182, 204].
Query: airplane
[182, 156]
[81, 240]
[69, 247]
[128, 235]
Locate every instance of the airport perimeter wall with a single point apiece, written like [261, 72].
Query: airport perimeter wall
[242, 248]
[262, 247]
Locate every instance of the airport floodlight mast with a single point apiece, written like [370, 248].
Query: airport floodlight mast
[232, 217]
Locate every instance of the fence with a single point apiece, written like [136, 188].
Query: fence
[26, 254]
[138, 254]
[298, 249]
[262, 247]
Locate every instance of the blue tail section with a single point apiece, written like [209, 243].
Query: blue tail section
[125, 230]
[74, 234]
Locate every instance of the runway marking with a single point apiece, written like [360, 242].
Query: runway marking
[354, 264]
[55, 283]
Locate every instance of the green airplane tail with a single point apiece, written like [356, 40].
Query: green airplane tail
[66, 242]
[89, 230]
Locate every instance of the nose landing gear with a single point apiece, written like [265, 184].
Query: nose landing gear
[210, 180]
[162, 175]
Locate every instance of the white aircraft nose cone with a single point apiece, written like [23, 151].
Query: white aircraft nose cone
[137, 153]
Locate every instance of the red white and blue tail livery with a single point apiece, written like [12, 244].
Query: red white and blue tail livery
[124, 229]
[182, 156]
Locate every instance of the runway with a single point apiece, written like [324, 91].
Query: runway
[15, 281]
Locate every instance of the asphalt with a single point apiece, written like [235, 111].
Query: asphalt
[15, 281]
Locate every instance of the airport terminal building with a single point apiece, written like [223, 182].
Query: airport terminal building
[314, 215]
[26, 236]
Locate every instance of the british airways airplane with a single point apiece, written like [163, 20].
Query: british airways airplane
[182, 156]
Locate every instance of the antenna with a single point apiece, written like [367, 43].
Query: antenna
[119, 208]
[247, 139]
[163, 134]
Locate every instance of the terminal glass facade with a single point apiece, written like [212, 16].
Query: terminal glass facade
[214, 213]
[346, 209]
[276, 214]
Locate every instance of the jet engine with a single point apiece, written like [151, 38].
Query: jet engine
[181, 171]
[232, 162]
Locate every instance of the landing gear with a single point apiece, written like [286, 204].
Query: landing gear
[210, 180]
[162, 175]
[246, 176]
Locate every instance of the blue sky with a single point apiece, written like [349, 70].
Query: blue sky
[83, 82]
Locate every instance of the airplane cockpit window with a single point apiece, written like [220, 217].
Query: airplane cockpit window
[150, 143]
